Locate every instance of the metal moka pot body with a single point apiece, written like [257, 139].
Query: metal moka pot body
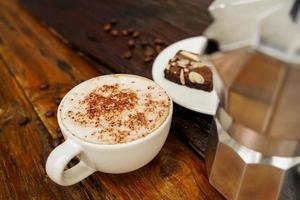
[241, 172]
[254, 145]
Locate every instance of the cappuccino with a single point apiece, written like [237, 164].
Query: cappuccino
[114, 109]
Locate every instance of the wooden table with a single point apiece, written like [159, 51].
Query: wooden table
[30, 55]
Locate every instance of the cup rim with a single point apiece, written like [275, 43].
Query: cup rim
[65, 130]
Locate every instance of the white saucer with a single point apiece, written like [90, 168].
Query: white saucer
[193, 99]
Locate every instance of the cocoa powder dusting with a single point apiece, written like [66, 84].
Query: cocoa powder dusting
[109, 104]
[116, 101]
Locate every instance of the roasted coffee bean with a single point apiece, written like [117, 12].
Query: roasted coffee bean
[58, 130]
[114, 32]
[124, 32]
[130, 30]
[49, 114]
[159, 41]
[55, 142]
[158, 48]
[127, 55]
[144, 43]
[23, 121]
[135, 34]
[113, 21]
[107, 27]
[44, 86]
[57, 100]
[59, 134]
[149, 52]
[148, 59]
[131, 43]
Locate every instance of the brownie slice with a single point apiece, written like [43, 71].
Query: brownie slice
[187, 68]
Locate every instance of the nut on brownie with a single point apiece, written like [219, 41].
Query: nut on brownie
[187, 68]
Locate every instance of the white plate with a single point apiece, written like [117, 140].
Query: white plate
[193, 99]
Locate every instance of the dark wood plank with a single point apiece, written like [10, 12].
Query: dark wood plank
[170, 20]
[34, 56]
[24, 149]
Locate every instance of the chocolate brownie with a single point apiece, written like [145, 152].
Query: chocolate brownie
[188, 69]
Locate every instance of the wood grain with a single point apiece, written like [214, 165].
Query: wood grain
[33, 56]
[24, 149]
[170, 20]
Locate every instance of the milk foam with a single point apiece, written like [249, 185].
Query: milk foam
[90, 111]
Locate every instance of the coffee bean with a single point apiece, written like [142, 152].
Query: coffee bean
[158, 48]
[113, 21]
[148, 59]
[55, 142]
[49, 114]
[130, 30]
[159, 41]
[57, 100]
[149, 52]
[107, 27]
[131, 43]
[59, 134]
[58, 130]
[23, 121]
[135, 34]
[44, 86]
[124, 32]
[144, 43]
[114, 32]
[127, 55]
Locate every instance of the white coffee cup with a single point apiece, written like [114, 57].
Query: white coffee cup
[108, 158]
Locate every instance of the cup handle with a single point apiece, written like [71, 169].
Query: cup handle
[58, 160]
